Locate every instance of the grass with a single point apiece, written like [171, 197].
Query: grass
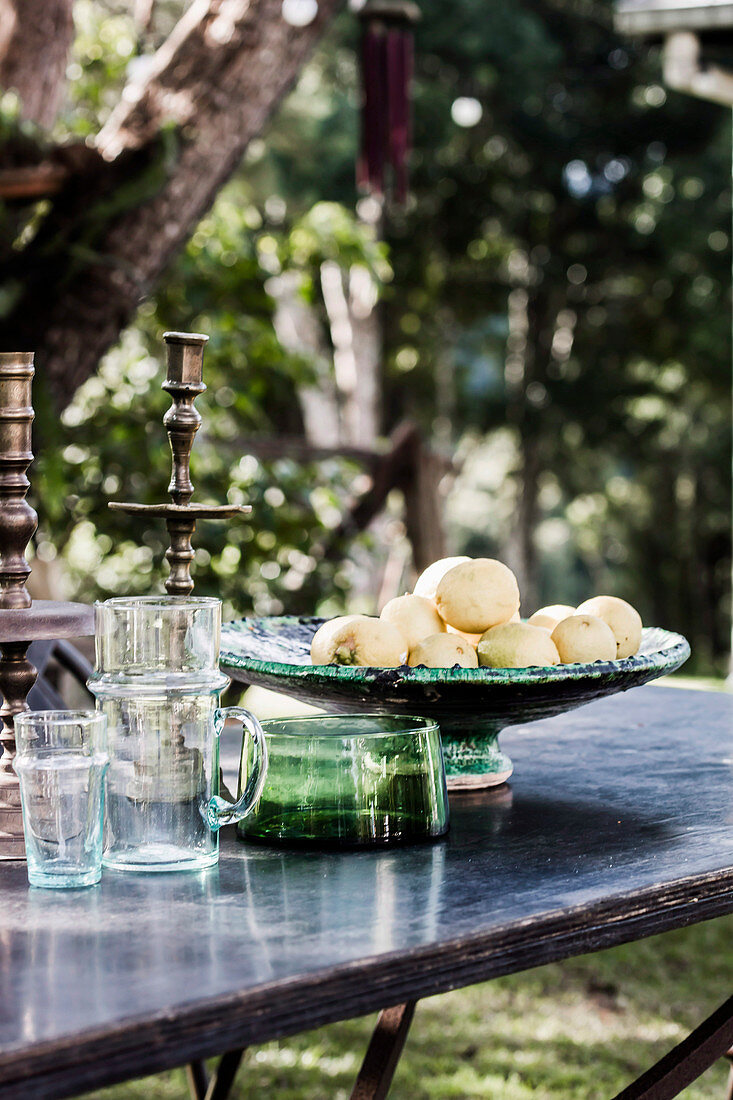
[578, 1030]
[696, 683]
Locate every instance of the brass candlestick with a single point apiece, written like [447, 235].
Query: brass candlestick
[21, 620]
[184, 382]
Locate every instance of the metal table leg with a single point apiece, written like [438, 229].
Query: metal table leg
[218, 1087]
[198, 1079]
[690, 1058]
[375, 1076]
[383, 1052]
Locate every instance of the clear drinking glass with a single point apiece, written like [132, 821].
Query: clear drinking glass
[157, 680]
[61, 762]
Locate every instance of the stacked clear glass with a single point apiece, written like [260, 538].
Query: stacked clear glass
[158, 682]
[61, 763]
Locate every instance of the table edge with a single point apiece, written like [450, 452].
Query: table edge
[149, 1044]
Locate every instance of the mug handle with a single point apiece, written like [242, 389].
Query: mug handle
[221, 812]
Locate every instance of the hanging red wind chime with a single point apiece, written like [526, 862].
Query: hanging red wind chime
[386, 66]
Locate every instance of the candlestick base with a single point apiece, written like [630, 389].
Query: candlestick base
[45, 620]
[181, 521]
[179, 511]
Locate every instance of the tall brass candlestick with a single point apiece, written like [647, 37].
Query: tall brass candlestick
[184, 382]
[21, 620]
[17, 518]
[18, 521]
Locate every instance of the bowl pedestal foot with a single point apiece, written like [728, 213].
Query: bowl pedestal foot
[475, 763]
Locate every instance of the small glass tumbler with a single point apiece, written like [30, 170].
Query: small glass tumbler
[61, 762]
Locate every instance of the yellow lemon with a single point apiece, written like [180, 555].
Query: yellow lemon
[584, 638]
[476, 595]
[444, 651]
[414, 616]
[517, 645]
[474, 639]
[623, 619]
[359, 640]
[550, 616]
[431, 577]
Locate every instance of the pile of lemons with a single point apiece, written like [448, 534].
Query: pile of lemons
[465, 612]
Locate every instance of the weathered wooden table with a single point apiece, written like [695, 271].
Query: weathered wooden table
[618, 823]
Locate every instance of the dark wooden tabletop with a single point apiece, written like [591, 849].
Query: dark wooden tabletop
[617, 823]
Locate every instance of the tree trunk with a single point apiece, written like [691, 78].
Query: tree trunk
[299, 330]
[529, 348]
[527, 516]
[217, 78]
[342, 405]
[350, 298]
[35, 36]
[366, 338]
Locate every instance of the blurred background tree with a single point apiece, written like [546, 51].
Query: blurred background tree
[553, 313]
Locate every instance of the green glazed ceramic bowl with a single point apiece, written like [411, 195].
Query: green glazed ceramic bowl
[471, 705]
[348, 781]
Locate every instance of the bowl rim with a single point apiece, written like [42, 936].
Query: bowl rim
[672, 651]
[418, 725]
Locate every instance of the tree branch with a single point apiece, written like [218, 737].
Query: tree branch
[218, 77]
[35, 36]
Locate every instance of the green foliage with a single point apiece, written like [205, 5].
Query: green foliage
[104, 43]
[111, 444]
[329, 232]
[561, 297]
[556, 308]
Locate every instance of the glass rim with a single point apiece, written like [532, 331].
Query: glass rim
[61, 717]
[55, 752]
[159, 601]
[414, 724]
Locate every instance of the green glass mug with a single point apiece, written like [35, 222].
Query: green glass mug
[345, 781]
